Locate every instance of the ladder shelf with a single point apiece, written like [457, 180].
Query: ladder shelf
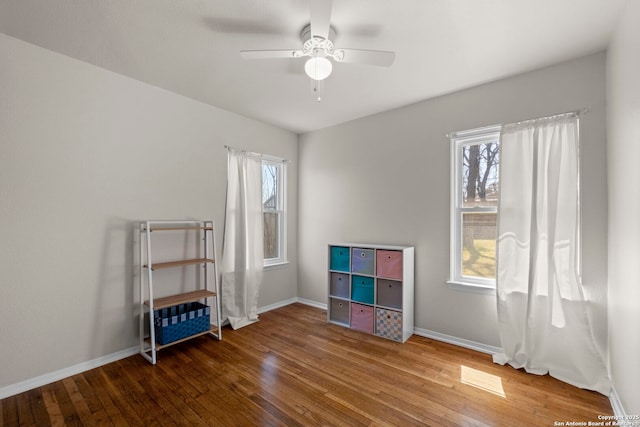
[182, 316]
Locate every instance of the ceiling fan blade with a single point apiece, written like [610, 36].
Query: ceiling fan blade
[320, 13]
[361, 56]
[268, 54]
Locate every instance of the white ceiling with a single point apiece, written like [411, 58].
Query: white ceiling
[191, 47]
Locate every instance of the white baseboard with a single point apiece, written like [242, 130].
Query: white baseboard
[461, 342]
[276, 305]
[616, 404]
[312, 303]
[45, 379]
[291, 301]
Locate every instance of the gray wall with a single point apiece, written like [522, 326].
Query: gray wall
[84, 154]
[385, 179]
[623, 152]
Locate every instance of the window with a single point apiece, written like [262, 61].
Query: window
[273, 211]
[475, 189]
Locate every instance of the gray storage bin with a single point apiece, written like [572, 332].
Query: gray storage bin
[339, 285]
[389, 293]
[339, 311]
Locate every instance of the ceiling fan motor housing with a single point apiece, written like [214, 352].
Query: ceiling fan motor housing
[317, 46]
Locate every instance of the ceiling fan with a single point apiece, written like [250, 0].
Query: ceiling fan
[318, 46]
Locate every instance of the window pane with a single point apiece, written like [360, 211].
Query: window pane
[480, 177]
[270, 186]
[271, 233]
[479, 244]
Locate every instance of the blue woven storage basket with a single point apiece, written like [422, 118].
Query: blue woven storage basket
[181, 321]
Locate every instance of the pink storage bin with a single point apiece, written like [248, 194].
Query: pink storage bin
[389, 264]
[362, 317]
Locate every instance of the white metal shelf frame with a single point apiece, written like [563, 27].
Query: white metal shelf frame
[210, 292]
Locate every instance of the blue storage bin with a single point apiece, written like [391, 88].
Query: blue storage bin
[181, 321]
[362, 289]
[339, 258]
[362, 261]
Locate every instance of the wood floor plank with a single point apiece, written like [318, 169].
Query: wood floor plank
[109, 380]
[71, 417]
[25, 417]
[294, 369]
[38, 408]
[80, 404]
[10, 411]
[56, 419]
[95, 382]
[94, 405]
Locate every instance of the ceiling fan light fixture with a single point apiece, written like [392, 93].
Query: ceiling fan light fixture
[318, 67]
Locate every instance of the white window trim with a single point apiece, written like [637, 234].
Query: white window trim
[281, 210]
[456, 280]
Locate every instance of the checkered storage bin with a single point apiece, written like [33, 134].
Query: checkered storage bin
[389, 324]
[181, 321]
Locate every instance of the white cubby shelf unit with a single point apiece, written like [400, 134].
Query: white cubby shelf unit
[370, 289]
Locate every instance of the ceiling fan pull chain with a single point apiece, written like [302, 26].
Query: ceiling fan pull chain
[316, 89]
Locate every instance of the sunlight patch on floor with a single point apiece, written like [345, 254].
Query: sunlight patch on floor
[482, 380]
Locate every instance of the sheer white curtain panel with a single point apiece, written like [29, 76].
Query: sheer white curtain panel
[243, 250]
[542, 311]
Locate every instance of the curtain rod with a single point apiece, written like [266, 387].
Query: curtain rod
[578, 113]
[262, 156]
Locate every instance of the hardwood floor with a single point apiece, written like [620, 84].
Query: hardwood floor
[293, 368]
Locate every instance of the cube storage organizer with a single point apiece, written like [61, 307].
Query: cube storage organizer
[180, 321]
[371, 289]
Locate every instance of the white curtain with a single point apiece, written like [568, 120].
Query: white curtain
[542, 311]
[243, 250]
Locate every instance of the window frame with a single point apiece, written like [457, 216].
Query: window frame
[279, 210]
[456, 279]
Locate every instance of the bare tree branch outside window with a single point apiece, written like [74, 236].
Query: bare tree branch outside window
[480, 174]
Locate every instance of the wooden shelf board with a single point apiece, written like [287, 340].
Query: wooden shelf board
[181, 263]
[169, 301]
[178, 228]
